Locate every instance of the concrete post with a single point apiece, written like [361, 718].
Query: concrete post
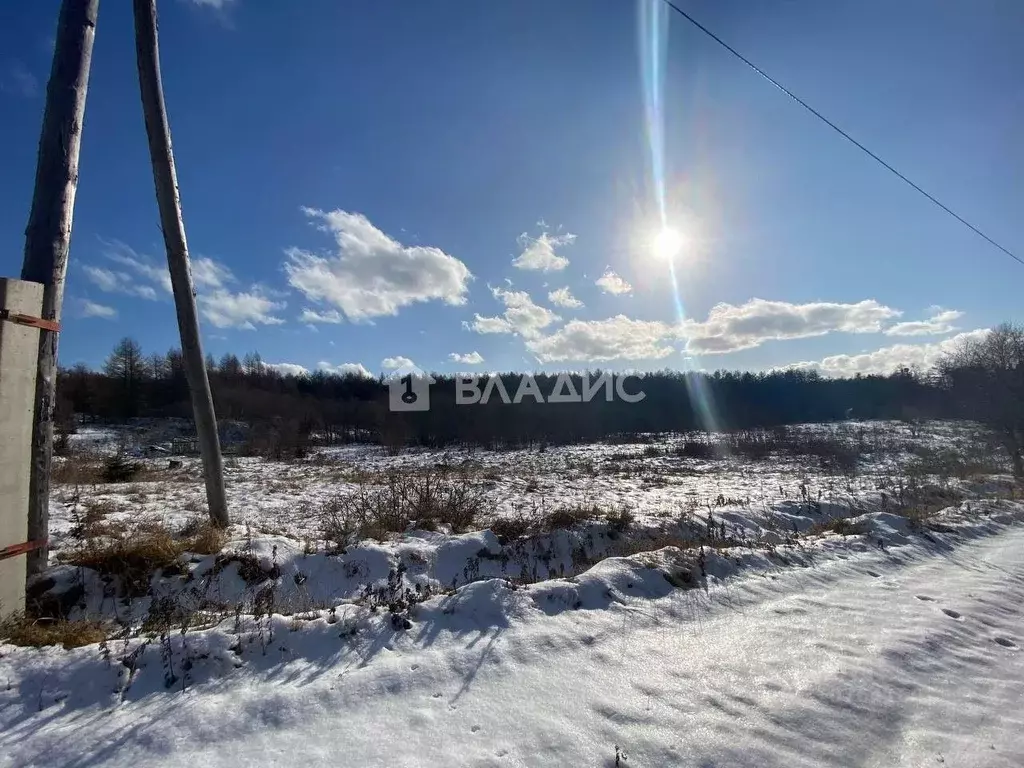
[19, 348]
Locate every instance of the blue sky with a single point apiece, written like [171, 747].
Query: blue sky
[369, 181]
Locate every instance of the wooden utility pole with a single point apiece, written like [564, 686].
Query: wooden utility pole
[48, 235]
[153, 107]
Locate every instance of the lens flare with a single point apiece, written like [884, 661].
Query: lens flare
[653, 31]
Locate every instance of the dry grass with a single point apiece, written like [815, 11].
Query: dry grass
[831, 451]
[628, 547]
[93, 470]
[537, 522]
[568, 517]
[202, 537]
[77, 472]
[21, 629]
[132, 553]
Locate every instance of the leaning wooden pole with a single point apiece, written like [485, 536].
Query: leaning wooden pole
[153, 107]
[48, 235]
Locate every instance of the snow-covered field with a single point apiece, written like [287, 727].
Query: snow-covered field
[732, 620]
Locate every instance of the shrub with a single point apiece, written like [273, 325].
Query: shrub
[568, 516]
[118, 469]
[511, 528]
[436, 497]
[620, 520]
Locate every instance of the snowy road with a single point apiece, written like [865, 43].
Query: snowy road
[897, 658]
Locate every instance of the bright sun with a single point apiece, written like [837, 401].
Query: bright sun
[667, 243]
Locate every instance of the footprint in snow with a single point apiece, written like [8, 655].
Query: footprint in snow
[475, 728]
[874, 575]
[951, 613]
[925, 598]
[1005, 642]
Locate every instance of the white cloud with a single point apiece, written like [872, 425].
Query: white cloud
[104, 279]
[371, 274]
[472, 358]
[522, 316]
[539, 252]
[218, 5]
[207, 273]
[940, 322]
[610, 282]
[222, 307]
[888, 359]
[616, 338]
[729, 328]
[488, 325]
[312, 316]
[345, 369]
[118, 282]
[287, 369]
[243, 310]
[92, 309]
[563, 297]
[143, 267]
[392, 363]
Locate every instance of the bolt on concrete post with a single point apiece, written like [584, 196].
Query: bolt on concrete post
[19, 348]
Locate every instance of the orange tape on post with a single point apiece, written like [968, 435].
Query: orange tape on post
[20, 549]
[29, 320]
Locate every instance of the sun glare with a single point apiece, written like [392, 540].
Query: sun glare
[667, 243]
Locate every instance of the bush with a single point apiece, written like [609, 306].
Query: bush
[621, 520]
[511, 528]
[437, 497]
[568, 516]
[118, 469]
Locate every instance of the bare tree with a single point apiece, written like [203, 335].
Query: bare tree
[48, 235]
[164, 176]
[987, 377]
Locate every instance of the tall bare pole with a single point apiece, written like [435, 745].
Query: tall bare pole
[48, 234]
[159, 132]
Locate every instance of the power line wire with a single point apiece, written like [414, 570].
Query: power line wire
[837, 129]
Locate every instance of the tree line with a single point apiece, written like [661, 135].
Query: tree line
[287, 413]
